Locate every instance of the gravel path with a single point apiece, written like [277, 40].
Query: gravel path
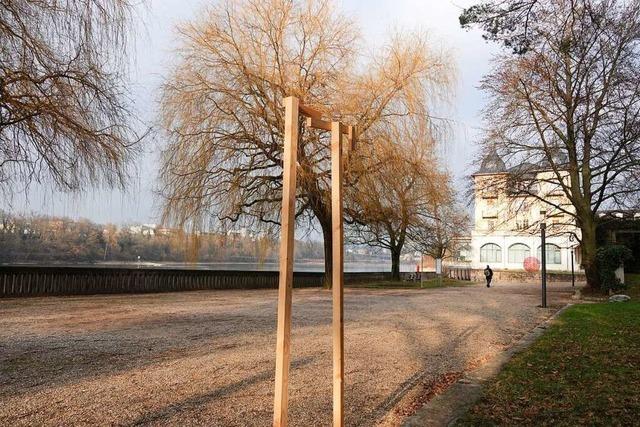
[207, 358]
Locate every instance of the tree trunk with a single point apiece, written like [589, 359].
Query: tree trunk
[588, 247]
[395, 263]
[327, 238]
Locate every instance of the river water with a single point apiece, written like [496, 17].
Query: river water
[310, 266]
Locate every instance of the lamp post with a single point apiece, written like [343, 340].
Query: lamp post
[573, 273]
[543, 268]
[421, 267]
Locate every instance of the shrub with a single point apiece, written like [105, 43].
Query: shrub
[609, 258]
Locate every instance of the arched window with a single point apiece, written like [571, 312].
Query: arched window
[518, 252]
[552, 252]
[490, 253]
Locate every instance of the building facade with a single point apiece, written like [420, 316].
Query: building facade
[507, 218]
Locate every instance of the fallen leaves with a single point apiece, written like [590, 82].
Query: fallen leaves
[583, 371]
[429, 390]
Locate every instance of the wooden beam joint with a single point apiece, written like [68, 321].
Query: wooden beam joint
[315, 121]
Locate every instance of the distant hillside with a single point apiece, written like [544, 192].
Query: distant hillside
[62, 240]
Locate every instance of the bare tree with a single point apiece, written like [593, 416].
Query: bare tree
[223, 109]
[110, 233]
[397, 182]
[570, 104]
[63, 108]
[439, 234]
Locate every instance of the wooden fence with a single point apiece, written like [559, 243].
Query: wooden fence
[22, 281]
[458, 273]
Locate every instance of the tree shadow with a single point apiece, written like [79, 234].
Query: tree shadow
[199, 400]
[495, 325]
[29, 362]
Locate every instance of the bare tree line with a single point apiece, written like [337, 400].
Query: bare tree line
[36, 238]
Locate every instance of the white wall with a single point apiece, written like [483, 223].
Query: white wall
[499, 219]
[533, 242]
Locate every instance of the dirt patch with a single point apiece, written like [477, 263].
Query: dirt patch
[207, 358]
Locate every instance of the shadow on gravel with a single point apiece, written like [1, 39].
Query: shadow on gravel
[135, 344]
[45, 344]
[113, 349]
[557, 295]
[186, 405]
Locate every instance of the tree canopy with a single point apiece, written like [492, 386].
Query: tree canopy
[64, 113]
[223, 111]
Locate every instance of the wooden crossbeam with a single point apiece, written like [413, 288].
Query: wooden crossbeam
[307, 111]
[315, 120]
[325, 125]
[318, 124]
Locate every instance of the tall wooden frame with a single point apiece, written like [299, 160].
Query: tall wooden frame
[314, 120]
[337, 274]
[285, 281]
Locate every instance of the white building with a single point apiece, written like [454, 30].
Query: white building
[144, 229]
[507, 222]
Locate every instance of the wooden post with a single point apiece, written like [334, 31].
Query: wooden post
[338, 271]
[313, 120]
[286, 261]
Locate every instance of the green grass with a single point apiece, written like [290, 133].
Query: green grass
[585, 370]
[426, 284]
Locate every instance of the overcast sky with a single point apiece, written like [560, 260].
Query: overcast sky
[153, 52]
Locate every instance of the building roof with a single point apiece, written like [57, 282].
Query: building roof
[492, 163]
[524, 168]
[559, 157]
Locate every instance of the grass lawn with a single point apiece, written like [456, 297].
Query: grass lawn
[584, 371]
[426, 284]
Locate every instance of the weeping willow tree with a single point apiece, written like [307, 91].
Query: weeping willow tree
[397, 181]
[64, 111]
[222, 107]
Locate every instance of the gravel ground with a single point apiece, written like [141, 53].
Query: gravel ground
[207, 358]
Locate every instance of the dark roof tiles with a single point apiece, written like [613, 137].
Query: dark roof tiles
[492, 163]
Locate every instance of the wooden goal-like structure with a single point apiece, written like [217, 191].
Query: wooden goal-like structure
[293, 110]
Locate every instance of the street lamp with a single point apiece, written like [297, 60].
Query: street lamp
[543, 268]
[573, 272]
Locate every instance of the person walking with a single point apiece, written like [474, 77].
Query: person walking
[488, 274]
